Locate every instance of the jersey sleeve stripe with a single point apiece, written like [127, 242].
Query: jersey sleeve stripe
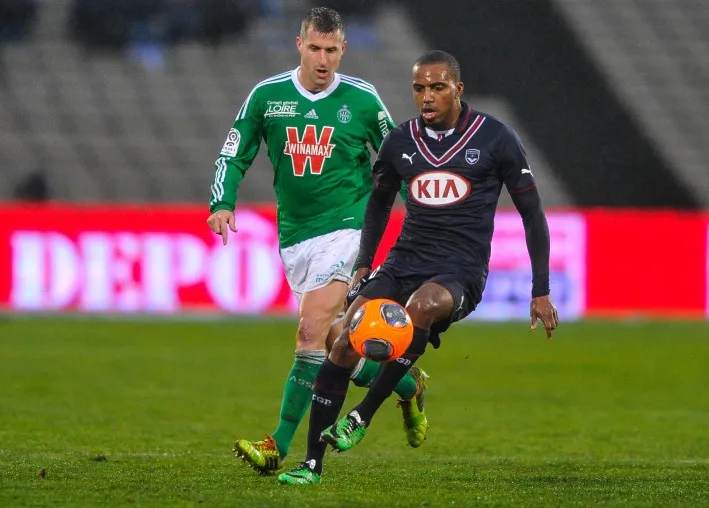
[279, 78]
[363, 85]
[523, 189]
[218, 185]
[359, 84]
[222, 176]
[358, 81]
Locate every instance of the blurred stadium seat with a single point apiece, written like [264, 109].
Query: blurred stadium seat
[655, 54]
[104, 127]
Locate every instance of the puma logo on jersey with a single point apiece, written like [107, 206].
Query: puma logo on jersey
[409, 157]
[525, 171]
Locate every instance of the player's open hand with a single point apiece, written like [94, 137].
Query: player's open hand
[221, 222]
[543, 309]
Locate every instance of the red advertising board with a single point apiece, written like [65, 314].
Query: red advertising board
[641, 263]
[163, 259]
[138, 259]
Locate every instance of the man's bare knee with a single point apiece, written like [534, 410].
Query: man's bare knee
[317, 312]
[312, 333]
[428, 304]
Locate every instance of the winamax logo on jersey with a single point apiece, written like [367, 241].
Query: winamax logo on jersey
[311, 148]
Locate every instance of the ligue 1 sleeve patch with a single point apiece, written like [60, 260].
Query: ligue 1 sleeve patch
[231, 145]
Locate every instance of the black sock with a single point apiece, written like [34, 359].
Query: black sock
[388, 377]
[329, 391]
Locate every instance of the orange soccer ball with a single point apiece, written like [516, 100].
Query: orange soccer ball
[381, 330]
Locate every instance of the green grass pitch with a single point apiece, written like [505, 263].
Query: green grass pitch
[114, 413]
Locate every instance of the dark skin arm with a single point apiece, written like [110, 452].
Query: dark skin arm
[376, 217]
[541, 308]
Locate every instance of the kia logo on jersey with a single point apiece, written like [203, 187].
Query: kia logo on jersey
[438, 188]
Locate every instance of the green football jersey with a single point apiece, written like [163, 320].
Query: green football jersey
[317, 144]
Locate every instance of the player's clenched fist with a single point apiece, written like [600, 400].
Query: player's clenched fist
[221, 222]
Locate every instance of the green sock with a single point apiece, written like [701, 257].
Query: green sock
[297, 395]
[366, 371]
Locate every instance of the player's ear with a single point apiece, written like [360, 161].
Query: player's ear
[459, 87]
[298, 43]
[344, 46]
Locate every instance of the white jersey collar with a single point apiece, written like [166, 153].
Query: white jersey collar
[317, 95]
[438, 134]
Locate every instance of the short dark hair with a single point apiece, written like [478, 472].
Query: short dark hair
[440, 57]
[323, 20]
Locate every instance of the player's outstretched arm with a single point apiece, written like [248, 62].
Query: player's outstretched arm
[536, 230]
[236, 156]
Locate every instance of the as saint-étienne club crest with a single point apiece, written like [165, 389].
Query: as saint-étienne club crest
[344, 115]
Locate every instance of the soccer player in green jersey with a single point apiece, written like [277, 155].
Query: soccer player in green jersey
[316, 124]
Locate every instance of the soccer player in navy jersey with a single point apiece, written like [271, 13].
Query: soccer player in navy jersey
[454, 161]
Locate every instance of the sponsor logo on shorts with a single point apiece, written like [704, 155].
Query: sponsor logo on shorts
[334, 270]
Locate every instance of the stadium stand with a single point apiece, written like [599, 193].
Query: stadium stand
[99, 126]
[655, 54]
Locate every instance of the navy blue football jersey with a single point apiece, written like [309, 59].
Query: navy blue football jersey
[454, 181]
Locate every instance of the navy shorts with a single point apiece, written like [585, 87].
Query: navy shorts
[398, 283]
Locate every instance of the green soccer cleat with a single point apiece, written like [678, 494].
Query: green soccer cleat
[346, 433]
[301, 475]
[262, 456]
[415, 421]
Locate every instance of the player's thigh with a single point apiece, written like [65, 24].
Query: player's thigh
[431, 302]
[385, 282]
[316, 313]
[465, 290]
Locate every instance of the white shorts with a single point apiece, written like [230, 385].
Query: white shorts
[314, 263]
